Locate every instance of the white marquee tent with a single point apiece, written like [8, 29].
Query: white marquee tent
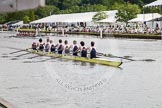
[155, 3]
[75, 17]
[20, 23]
[146, 17]
[108, 20]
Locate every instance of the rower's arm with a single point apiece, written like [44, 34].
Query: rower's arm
[79, 49]
[71, 46]
[56, 45]
[37, 44]
[62, 47]
[88, 48]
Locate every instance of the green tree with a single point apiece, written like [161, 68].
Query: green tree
[127, 8]
[2, 18]
[67, 11]
[26, 19]
[52, 2]
[152, 10]
[99, 7]
[126, 11]
[99, 16]
[15, 16]
[75, 9]
[139, 2]
[68, 3]
[110, 3]
[32, 15]
[85, 1]
[46, 11]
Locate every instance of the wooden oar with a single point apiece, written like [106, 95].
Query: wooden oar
[16, 51]
[124, 57]
[35, 57]
[44, 60]
[19, 50]
[23, 54]
[16, 57]
[41, 60]
[38, 56]
[48, 59]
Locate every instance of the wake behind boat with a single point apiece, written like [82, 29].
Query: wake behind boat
[76, 58]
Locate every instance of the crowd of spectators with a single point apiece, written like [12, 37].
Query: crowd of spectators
[108, 29]
[111, 28]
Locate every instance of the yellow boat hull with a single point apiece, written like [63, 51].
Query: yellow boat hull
[76, 58]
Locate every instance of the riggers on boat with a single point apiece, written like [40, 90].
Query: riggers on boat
[76, 58]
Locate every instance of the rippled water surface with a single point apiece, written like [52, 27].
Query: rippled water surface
[43, 82]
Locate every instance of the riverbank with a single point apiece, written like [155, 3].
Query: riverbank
[104, 35]
[119, 35]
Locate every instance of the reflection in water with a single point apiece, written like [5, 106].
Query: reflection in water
[83, 64]
[79, 76]
[92, 65]
[5, 56]
[14, 58]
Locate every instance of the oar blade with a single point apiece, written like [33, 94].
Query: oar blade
[148, 60]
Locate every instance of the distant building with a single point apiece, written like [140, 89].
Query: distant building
[18, 5]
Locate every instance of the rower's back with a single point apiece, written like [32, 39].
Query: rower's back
[92, 51]
[34, 46]
[47, 46]
[41, 45]
[52, 47]
[67, 48]
[60, 47]
[75, 48]
[83, 49]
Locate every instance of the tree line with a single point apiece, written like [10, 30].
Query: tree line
[127, 9]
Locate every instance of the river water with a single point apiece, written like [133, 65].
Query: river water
[57, 83]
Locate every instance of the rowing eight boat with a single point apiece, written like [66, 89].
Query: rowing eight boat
[76, 58]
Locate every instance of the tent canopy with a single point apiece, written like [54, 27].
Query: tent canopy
[155, 3]
[146, 17]
[20, 23]
[108, 20]
[75, 17]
